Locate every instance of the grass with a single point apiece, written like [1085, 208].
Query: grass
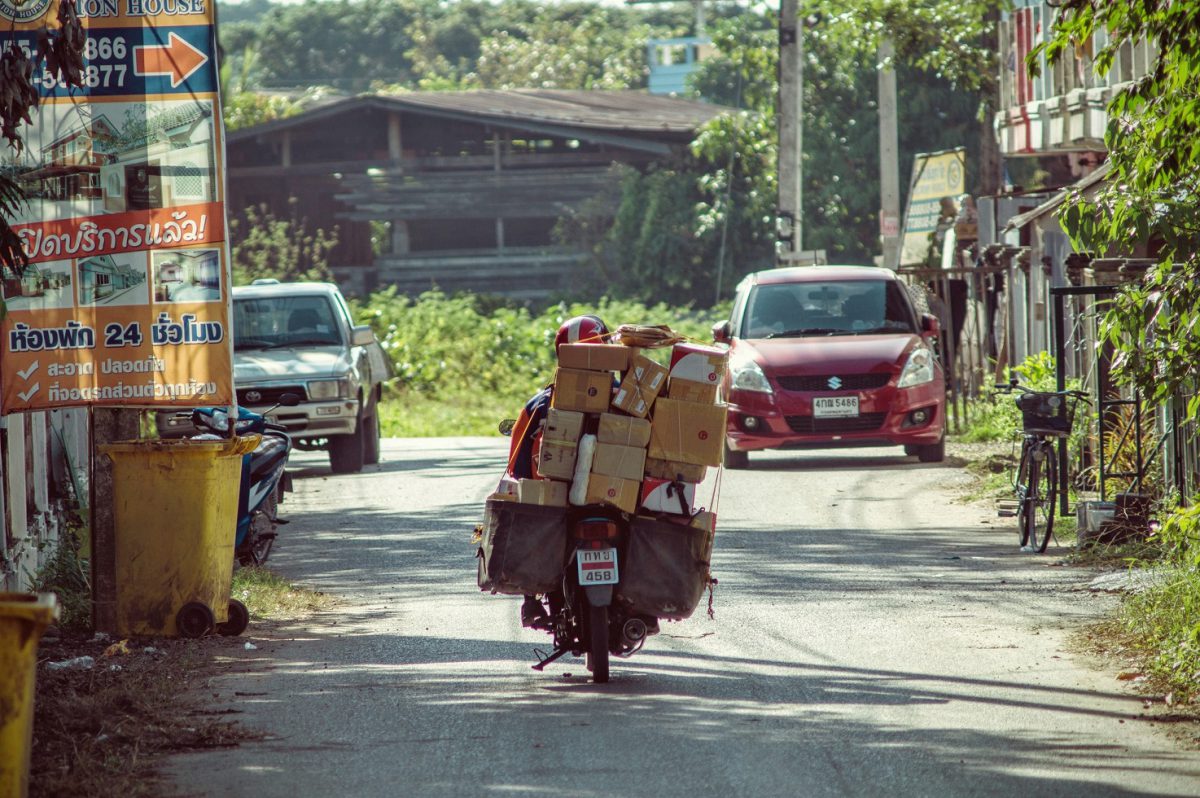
[1164, 626]
[271, 597]
[415, 415]
[99, 732]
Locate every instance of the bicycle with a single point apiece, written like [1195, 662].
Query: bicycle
[1046, 416]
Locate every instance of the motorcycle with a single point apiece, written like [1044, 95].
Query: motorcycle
[264, 479]
[584, 618]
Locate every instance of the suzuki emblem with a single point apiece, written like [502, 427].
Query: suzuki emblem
[834, 383]
[253, 396]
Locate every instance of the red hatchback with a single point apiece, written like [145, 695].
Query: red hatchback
[831, 356]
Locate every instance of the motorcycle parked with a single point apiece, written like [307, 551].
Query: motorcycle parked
[264, 478]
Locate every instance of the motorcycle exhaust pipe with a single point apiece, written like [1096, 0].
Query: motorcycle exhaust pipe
[633, 632]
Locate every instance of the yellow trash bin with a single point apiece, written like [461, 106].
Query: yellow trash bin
[175, 511]
[23, 618]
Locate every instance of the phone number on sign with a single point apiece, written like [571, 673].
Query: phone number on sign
[95, 76]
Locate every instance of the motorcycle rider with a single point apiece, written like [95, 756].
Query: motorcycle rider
[527, 432]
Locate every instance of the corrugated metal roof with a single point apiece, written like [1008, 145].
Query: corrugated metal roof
[628, 112]
[625, 111]
[1049, 206]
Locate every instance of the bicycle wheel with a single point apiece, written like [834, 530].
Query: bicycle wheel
[1039, 501]
[1022, 488]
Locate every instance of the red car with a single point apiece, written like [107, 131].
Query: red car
[831, 356]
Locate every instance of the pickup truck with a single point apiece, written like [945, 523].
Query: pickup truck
[300, 338]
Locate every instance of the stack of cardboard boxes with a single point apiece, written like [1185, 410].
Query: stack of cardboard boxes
[642, 446]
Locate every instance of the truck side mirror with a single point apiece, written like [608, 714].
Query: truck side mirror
[720, 332]
[930, 324]
[361, 335]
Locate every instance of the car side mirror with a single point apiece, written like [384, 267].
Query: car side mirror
[362, 335]
[720, 332]
[930, 324]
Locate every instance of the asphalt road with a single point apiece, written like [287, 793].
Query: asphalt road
[872, 636]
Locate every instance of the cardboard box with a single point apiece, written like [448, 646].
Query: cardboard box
[614, 491]
[663, 496]
[623, 430]
[705, 520]
[687, 432]
[557, 459]
[704, 393]
[594, 357]
[614, 460]
[684, 472]
[585, 391]
[703, 364]
[542, 491]
[562, 425]
[642, 383]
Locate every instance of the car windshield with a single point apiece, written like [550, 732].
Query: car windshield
[283, 321]
[847, 307]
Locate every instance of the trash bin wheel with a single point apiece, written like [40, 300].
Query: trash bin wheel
[239, 619]
[195, 619]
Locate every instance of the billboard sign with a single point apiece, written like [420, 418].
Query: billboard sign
[126, 298]
[936, 176]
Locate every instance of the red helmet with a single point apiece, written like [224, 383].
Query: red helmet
[581, 330]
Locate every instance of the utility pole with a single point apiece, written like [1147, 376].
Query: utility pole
[889, 157]
[789, 219]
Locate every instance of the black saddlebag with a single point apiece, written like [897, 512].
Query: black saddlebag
[524, 548]
[666, 568]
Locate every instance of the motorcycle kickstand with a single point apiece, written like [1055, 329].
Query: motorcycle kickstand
[558, 652]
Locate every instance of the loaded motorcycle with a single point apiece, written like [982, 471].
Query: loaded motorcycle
[264, 479]
[607, 576]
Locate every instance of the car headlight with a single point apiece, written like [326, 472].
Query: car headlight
[919, 368]
[747, 375]
[329, 389]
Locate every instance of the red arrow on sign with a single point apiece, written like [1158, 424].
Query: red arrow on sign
[177, 58]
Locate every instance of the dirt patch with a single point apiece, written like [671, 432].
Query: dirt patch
[99, 728]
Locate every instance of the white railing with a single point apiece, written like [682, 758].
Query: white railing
[44, 471]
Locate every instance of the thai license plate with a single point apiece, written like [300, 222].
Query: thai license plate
[597, 566]
[835, 406]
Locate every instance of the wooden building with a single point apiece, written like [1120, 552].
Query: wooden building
[459, 190]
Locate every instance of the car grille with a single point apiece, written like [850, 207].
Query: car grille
[268, 396]
[849, 382]
[807, 425]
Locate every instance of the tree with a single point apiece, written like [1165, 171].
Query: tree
[284, 249]
[59, 53]
[1151, 194]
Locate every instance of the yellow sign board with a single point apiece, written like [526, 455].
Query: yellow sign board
[126, 300]
[936, 176]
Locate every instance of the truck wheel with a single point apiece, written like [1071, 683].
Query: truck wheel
[346, 451]
[371, 438]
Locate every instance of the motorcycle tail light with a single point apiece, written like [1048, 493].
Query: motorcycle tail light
[596, 529]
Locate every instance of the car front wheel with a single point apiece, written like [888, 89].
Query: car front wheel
[735, 459]
[934, 453]
[346, 451]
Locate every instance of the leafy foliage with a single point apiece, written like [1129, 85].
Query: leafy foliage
[59, 53]
[462, 363]
[285, 249]
[1151, 194]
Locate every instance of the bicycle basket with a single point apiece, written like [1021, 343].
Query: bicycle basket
[1047, 412]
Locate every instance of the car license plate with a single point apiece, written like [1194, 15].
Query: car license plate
[597, 566]
[835, 406]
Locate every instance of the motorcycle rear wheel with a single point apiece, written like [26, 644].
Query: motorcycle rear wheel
[597, 652]
[256, 550]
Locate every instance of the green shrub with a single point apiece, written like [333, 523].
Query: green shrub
[454, 348]
[996, 417]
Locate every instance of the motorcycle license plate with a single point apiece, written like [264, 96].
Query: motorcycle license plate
[835, 406]
[597, 566]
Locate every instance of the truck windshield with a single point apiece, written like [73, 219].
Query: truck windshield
[278, 322]
[847, 307]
